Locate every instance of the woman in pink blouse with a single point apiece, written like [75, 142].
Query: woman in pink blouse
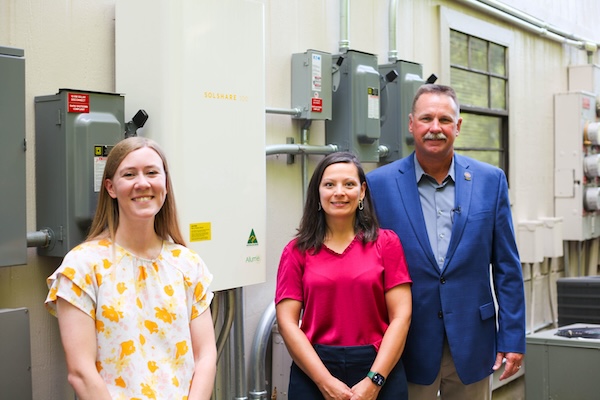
[343, 295]
[132, 301]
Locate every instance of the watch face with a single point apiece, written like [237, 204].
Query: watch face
[378, 379]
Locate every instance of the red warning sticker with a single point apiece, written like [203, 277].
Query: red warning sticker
[317, 104]
[78, 103]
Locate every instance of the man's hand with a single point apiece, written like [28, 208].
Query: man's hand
[514, 361]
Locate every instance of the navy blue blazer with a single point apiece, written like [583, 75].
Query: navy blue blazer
[457, 301]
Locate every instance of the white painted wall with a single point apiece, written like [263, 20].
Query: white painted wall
[70, 44]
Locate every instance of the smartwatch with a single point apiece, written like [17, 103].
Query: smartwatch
[377, 378]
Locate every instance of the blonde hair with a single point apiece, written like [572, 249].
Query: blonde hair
[106, 219]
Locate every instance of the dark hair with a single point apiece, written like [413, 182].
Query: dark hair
[436, 89]
[312, 230]
[106, 219]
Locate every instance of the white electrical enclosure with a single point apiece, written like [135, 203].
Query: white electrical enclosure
[576, 195]
[197, 68]
[585, 77]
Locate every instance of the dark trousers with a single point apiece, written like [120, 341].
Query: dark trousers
[350, 365]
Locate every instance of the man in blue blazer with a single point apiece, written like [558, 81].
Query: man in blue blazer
[453, 217]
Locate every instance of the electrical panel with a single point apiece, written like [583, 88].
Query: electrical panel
[13, 234]
[311, 84]
[15, 354]
[74, 132]
[355, 123]
[584, 77]
[203, 84]
[404, 80]
[577, 165]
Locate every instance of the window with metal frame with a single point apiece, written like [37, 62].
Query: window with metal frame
[478, 73]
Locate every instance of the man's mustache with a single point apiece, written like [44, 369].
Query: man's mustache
[434, 136]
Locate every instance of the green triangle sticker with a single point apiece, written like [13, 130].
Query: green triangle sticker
[252, 239]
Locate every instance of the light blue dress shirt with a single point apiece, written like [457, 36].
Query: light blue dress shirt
[437, 203]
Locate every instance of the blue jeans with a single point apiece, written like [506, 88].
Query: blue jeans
[350, 365]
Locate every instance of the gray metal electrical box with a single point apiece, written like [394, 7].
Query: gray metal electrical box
[15, 354]
[354, 124]
[74, 132]
[311, 84]
[396, 104]
[13, 217]
[558, 367]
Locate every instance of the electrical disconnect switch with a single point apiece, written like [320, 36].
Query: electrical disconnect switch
[75, 130]
[13, 218]
[396, 105]
[312, 84]
[355, 122]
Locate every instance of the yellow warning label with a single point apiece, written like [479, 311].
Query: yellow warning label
[200, 231]
[98, 150]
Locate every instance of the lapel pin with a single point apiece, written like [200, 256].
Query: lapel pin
[467, 176]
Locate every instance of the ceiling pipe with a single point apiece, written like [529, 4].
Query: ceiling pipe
[532, 20]
[532, 24]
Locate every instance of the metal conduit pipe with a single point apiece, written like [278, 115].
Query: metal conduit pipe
[304, 139]
[300, 149]
[392, 18]
[296, 112]
[530, 26]
[258, 353]
[532, 20]
[41, 238]
[228, 321]
[344, 25]
[240, 388]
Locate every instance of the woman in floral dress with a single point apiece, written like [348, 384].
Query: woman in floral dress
[132, 301]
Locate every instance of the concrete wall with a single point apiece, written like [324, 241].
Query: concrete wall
[70, 44]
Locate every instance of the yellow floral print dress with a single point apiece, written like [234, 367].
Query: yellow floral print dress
[142, 310]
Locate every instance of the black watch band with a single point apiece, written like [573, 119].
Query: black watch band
[376, 377]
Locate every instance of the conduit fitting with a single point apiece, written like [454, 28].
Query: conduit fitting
[43, 238]
[590, 47]
[384, 151]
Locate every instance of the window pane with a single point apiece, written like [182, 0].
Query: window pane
[480, 131]
[498, 93]
[471, 88]
[497, 59]
[458, 49]
[479, 57]
[480, 79]
[490, 157]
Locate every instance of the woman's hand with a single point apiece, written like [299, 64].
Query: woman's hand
[365, 390]
[334, 389]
